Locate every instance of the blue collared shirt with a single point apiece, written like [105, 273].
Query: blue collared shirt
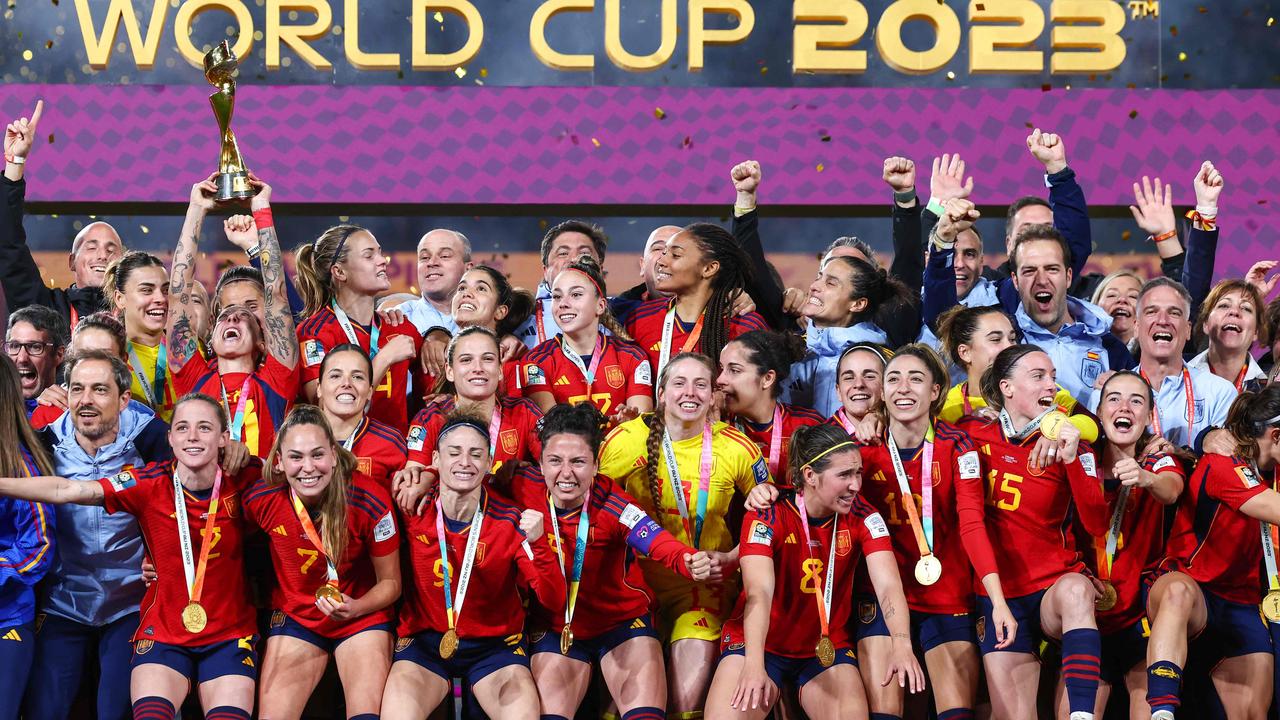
[1211, 395]
[812, 382]
[425, 316]
[1081, 350]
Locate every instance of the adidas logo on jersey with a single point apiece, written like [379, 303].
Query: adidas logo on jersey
[12, 635]
[562, 380]
[791, 539]
[247, 661]
[279, 530]
[637, 624]
[702, 622]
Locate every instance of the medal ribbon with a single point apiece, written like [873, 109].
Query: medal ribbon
[677, 487]
[495, 429]
[350, 331]
[964, 397]
[309, 529]
[1191, 405]
[237, 418]
[923, 530]
[1108, 558]
[824, 602]
[1240, 378]
[538, 321]
[153, 388]
[194, 570]
[668, 327]
[775, 440]
[351, 441]
[587, 372]
[453, 608]
[1006, 424]
[843, 418]
[573, 578]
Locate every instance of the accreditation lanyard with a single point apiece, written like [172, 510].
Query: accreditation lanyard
[574, 577]
[1112, 543]
[668, 328]
[237, 418]
[921, 527]
[843, 418]
[195, 571]
[1239, 383]
[775, 440]
[1006, 424]
[588, 372]
[453, 606]
[153, 388]
[351, 439]
[495, 429]
[677, 487]
[824, 602]
[538, 322]
[1156, 426]
[964, 398]
[350, 331]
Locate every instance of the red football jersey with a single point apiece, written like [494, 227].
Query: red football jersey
[300, 566]
[147, 494]
[959, 532]
[379, 450]
[646, 322]
[1211, 540]
[623, 372]
[492, 606]
[517, 434]
[1140, 545]
[272, 390]
[322, 331]
[776, 533]
[1029, 511]
[612, 589]
[793, 418]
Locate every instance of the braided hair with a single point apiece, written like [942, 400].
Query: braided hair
[717, 245]
[657, 423]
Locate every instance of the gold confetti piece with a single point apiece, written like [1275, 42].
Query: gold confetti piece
[27, 55]
[1271, 21]
[344, 218]
[439, 16]
[595, 142]
[764, 70]
[821, 167]
[145, 229]
[688, 142]
[461, 72]
[1126, 235]
[484, 72]
[1182, 57]
[48, 44]
[659, 113]
[951, 75]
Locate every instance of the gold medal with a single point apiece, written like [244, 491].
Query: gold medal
[1051, 424]
[566, 640]
[1271, 606]
[194, 618]
[928, 569]
[449, 643]
[826, 651]
[1109, 597]
[330, 592]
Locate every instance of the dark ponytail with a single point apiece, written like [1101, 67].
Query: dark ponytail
[768, 350]
[812, 446]
[1251, 415]
[958, 325]
[717, 245]
[885, 294]
[1001, 368]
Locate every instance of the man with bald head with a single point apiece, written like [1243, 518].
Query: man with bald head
[647, 289]
[443, 256]
[92, 250]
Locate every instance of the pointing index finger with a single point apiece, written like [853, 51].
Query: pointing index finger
[35, 115]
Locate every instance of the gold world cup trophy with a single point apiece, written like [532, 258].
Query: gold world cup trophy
[219, 69]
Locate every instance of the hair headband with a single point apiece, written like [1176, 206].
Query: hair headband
[585, 274]
[450, 427]
[828, 451]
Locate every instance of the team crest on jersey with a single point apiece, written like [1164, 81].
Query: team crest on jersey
[123, 481]
[277, 619]
[613, 375]
[844, 543]
[509, 441]
[982, 629]
[403, 644]
[937, 474]
[1035, 470]
[866, 612]
[1199, 411]
[312, 352]
[230, 505]
[364, 466]
[142, 647]
[417, 437]
[1090, 368]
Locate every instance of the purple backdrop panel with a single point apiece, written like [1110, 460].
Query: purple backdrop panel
[608, 146]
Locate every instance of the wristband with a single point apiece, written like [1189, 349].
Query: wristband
[936, 240]
[1209, 223]
[1163, 236]
[904, 196]
[1207, 211]
[739, 211]
[262, 218]
[253, 251]
[15, 160]
[935, 207]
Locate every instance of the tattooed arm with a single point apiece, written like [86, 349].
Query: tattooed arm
[281, 337]
[183, 343]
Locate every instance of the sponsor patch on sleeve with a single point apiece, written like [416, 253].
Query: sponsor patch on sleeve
[761, 533]
[1246, 474]
[969, 465]
[642, 534]
[631, 515]
[644, 373]
[417, 436]
[123, 481]
[533, 375]
[1089, 464]
[1164, 463]
[312, 353]
[761, 471]
[875, 525]
[385, 529]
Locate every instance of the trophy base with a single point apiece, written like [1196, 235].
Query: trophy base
[233, 186]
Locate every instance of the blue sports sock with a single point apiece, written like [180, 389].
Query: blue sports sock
[885, 716]
[1164, 686]
[153, 708]
[956, 714]
[545, 716]
[644, 713]
[1081, 667]
[364, 716]
[226, 712]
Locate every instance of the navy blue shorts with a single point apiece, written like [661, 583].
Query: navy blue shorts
[202, 663]
[472, 661]
[1123, 649]
[928, 630]
[283, 625]
[1026, 612]
[591, 650]
[796, 672]
[1232, 630]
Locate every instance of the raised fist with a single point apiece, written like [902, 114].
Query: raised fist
[746, 177]
[958, 215]
[531, 524]
[1048, 149]
[241, 231]
[900, 173]
[1208, 185]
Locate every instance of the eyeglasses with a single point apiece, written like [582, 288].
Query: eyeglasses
[34, 349]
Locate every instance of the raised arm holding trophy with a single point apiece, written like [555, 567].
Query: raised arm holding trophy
[219, 69]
